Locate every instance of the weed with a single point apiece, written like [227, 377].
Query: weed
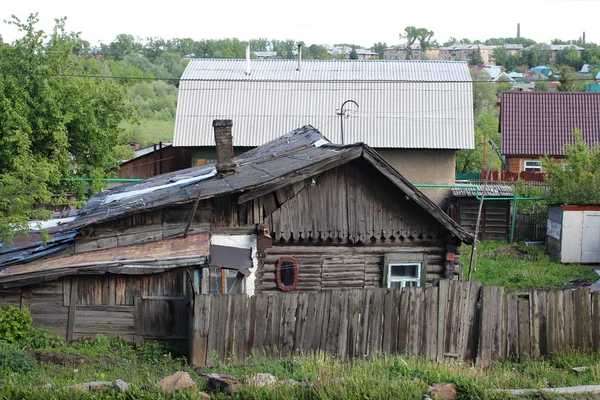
[15, 323]
[42, 338]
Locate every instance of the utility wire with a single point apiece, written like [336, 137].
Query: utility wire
[137, 78]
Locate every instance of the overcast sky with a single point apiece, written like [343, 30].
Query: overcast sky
[327, 22]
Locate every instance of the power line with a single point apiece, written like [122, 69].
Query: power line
[137, 78]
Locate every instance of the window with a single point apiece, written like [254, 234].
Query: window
[532, 166]
[287, 273]
[223, 281]
[401, 275]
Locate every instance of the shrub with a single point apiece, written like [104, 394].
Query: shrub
[42, 338]
[14, 359]
[15, 323]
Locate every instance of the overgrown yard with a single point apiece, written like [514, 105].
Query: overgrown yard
[516, 266]
[147, 132]
[314, 377]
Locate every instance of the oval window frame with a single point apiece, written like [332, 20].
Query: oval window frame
[280, 285]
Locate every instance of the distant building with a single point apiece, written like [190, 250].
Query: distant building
[401, 53]
[462, 52]
[555, 48]
[265, 55]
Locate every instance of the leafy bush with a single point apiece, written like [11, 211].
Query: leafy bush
[153, 352]
[14, 359]
[42, 338]
[577, 180]
[15, 323]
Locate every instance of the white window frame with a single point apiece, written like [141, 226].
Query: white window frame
[532, 168]
[403, 280]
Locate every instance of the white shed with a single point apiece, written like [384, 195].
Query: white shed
[574, 234]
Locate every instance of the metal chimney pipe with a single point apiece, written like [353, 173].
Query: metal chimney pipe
[248, 59]
[299, 57]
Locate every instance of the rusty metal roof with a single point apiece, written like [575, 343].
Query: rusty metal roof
[281, 161]
[134, 259]
[535, 124]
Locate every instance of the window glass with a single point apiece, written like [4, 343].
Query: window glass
[401, 275]
[230, 278]
[287, 273]
[406, 270]
[215, 281]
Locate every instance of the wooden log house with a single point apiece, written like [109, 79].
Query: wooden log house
[296, 214]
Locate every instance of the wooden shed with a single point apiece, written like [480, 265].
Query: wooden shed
[296, 214]
[495, 215]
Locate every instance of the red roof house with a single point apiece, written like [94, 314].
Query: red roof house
[533, 124]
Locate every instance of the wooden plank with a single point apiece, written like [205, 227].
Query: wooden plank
[355, 297]
[72, 308]
[228, 354]
[470, 336]
[414, 321]
[300, 328]
[333, 326]
[431, 331]
[560, 317]
[222, 323]
[534, 318]
[66, 291]
[403, 321]
[542, 311]
[578, 316]
[552, 323]
[364, 324]
[524, 328]
[569, 320]
[513, 326]
[444, 286]
[586, 318]
[325, 322]
[311, 323]
[288, 328]
[376, 322]
[393, 325]
[262, 302]
[26, 297]
[239, 338]
[490, 333]
[342, 345]
[388, 312]
[596, 321]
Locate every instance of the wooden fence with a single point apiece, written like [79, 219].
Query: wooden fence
[455, 320]
[531, 226]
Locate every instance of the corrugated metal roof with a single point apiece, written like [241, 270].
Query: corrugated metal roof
[535, 124]
[490, 191]
[402, 104]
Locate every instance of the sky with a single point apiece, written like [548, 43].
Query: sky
[323, 22]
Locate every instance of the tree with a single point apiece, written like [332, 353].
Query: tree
[484, 92]
[569, 81]
[319, 52]
[55, 124]
[379, 48]
[577, 179]
[353, 55]
[569, 57]
[471, 160]
[413, 35]
[475, 57]
[538, 54]
[541, 86]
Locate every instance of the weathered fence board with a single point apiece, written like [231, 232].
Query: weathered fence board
[454, 320]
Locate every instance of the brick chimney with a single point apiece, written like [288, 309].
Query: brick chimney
[224, 143]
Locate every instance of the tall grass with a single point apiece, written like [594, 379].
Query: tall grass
[516, 266]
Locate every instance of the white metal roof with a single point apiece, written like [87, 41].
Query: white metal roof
[402, 104]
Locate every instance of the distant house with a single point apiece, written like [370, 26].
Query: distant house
[462, 52]
[297, 214]
[533, 124]
[555, 48]
[265, 54]
[401, 53]
[361, 54]
[417, 114]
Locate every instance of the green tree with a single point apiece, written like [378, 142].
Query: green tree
[541, 86]
[536, 55]
[484, 92]
[569, 81]
[471, 160]
[53, 124]
[353, 55]
[413, 35]
[379, 48]
[576, 180]
[319, 52]
[475, 57]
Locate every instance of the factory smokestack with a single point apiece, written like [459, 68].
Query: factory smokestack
[518, 29]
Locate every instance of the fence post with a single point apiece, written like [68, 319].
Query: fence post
[514, 219]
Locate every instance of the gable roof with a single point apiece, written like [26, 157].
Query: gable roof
[534, 123]
[402, 103]
[293, 157]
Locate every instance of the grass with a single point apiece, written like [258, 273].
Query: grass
[518, 267]
[148, 132]
[382, 377]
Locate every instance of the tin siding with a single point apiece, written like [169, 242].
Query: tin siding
[390, 115]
